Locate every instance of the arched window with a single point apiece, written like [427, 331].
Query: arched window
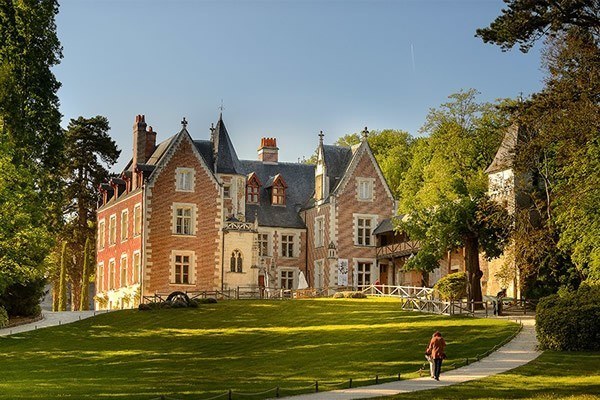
[236, 261]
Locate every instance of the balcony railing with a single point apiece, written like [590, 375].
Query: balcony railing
[401, 249]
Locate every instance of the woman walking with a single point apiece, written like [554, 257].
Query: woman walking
[435, 350]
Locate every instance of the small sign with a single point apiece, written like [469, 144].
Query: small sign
[342, 276]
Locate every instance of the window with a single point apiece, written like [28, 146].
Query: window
[137, 220]
[287, 279]
[365, 189]
[136, 267]
[112, 230]
[183, 215]
[101, 233]
[184, 179]
[319, 281]
[182, 269]
[124, 225]
[363, 273]
[287, 245]
[263, 245]
[319, 231]
[227, 192]
[123, 278]
[252, 194]
[278, 195]
[236, 261]
[363, 234]
[111, 274]
[100, 278]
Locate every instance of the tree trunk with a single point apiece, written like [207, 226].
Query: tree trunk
[474, 274]
[62, 282]
[85, 282]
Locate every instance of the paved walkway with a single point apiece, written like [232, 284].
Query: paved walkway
[50, 319]
[519, 351]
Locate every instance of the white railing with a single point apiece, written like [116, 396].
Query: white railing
[405, 292]
[238, 226]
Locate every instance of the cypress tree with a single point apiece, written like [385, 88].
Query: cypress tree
[62, 283]
[85, 284]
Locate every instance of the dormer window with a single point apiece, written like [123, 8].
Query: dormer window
[252, 189]
[277, 186]
[184, 179]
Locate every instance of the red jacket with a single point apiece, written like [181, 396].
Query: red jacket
[436, 347]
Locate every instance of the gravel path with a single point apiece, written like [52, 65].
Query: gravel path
[50, 319]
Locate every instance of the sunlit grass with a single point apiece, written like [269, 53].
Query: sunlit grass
[554, 375]
[248, 346]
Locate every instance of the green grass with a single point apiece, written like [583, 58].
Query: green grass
[553, 375]
[248, 346]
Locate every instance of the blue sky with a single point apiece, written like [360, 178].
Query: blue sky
[284, 69]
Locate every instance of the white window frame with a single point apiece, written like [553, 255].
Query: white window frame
[111, 274]
[227, 191]
[320, 231]
[112, 230]
[236, 261]
[123, 270]
[284, 274]
[267, 246]
[137, 219]
[365, 189]
[319, 275]
[364, 273]
[191, 270]
[192, 219]
[364, 240]
[100, 277]
[136, 267]
[101, 234]
[124, 225]
[290, 242]
[184, 179]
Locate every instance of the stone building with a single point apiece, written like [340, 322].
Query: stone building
[189, 215]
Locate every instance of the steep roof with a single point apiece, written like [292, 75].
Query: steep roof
[337, 159]
[227, 161]
[205, 147]
[505, 156]
[387, 225]
[301, 178]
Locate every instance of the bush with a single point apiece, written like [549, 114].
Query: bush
[208, 300]
[570, 320]
[349, 295]
[3, 317]
[23, 299]
[144, 307]
[452, 286]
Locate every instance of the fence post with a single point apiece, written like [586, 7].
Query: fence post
[350, 384]
[277, 391]
[316, 386]
[237, 293]
[229, 395]
[376, 379]
[467, 361]
[399, 376]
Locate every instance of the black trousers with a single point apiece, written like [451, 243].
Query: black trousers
[437, 367]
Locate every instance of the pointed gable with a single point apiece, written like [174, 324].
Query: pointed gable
[336, 160]
[505, 156]
[226, 159]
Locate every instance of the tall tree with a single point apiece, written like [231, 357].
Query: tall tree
[85, 284]
[444, 191]
[62, 282]
[89, 151]
[524, 22]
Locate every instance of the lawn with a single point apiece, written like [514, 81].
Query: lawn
[248, 346]
[553, 375]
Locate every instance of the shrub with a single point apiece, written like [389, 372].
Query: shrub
[452, 286]
[144, 307]
[3, 317]
[23, 299]
[208, 300]
[570, 320]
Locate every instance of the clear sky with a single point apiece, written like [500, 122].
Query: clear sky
[284, 69]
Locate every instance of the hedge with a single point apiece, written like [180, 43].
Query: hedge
[570, 320]
[452, 286]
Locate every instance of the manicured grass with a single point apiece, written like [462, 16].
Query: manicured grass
[248, 346]
[553, 375]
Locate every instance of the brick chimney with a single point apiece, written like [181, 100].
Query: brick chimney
[268, 152]
[150, 142]
[139, 140]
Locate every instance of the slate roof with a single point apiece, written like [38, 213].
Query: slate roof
[227, 161]
[337, 159]
[387, 225]
[505, 156]
[301, 186]
[205, 148]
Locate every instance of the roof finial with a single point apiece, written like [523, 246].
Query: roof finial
[321, 137]
[212, 127]
[365, 133]
[221, 107]
[184, 123]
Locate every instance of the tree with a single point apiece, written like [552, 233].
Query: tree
[62, 282]
[526, 21]
[88, 151]
[85, 284]
[444, 191]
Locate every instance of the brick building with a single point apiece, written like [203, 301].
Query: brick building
[189, 215]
